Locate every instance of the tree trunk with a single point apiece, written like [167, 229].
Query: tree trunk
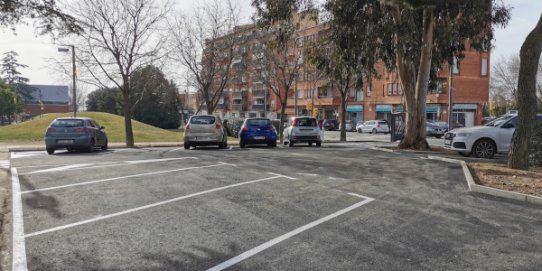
[343, 117]
[281, 128]
[529, 55]
[128, 120]
[415, 125]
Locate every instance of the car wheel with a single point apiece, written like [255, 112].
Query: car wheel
[242, 144]
[225, 143]
[105, 146]
[438, 136]
[310, 144]
[221, 145]
[359, 131]
[187, 146]
[318, 144]
[50, 150]
[291, 143]
[484, 148]
[465, 154]
[91, 146]
[374, 131]
[273, 144]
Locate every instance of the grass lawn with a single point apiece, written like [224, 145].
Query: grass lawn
[34, 130]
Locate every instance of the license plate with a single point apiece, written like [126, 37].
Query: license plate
[259, 137]
[447, 142]
[65, 141]
[202, 139]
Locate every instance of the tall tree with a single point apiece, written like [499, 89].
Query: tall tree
[47, 13]
[529, 62]
[280, 57]
[203, 43]
[159, 104]
[105, 100]
[118, 38]
[10, 102]
[10, 69]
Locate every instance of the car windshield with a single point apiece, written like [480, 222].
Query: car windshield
[202, 120]
[305, 122]
[258, 122]
[67, 123]
[499, 121]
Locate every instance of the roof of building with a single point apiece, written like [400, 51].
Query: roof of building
[49, 94]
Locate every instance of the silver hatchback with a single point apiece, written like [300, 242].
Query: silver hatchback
[205, 130]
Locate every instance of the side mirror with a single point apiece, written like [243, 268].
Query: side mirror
[101, 127]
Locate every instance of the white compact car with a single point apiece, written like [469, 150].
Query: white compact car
[303, 129]
[484, 141]
[373, 126]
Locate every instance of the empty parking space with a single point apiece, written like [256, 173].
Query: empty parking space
[339, 207]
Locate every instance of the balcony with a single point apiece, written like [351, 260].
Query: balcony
[236, 95]
[258, 93]
[237, 107]
[260, 107]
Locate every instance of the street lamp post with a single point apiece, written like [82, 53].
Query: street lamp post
[74, 76]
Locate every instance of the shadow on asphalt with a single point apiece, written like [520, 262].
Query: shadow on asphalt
[38, 200]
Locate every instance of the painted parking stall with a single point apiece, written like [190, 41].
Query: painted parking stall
[62, 210]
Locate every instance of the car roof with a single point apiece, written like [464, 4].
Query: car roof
[72, 118]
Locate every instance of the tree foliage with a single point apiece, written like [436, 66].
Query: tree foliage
[10, 102]
[159, 104]
[49, 17]
[105, 100]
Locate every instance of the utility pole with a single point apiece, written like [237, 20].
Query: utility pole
[295, 96]
[450, 93]
[74, 76]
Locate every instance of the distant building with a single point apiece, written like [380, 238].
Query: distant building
[47, 99]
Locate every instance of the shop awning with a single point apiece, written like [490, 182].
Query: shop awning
[384, 107]
[354, 108]
[432, 108]
[466, 106]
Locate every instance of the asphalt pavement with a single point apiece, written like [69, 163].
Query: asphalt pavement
[338, 207]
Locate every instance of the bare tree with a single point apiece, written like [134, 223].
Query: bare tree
[203, 42]
[279, 64]
[118, 38]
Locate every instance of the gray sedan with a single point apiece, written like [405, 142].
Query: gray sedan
[75, 133]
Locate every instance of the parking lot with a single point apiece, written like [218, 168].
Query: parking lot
[339, 207]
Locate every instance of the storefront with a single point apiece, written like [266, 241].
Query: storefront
[464, 115]
[383, 111]
[432, 112]
[354, 112]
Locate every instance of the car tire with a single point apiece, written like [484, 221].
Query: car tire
[465, 154]
[91, 146]
[187, 146]
[438, 136]
[242, 144]
[50, 151]
[273, 144]
[359, 131]
[310, 144]
[318, 144]
[105, 146]
[374, 131]
[484, 148]
[291, 143]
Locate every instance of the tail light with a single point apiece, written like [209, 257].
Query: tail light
[294, 124]
[244, 130]
[51, 130]
[218, 126]
[187, 127]
[81, 130]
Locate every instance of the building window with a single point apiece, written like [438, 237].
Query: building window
[389, 89]
[437, 86]
[455, 68]
[484, 66]
[251, 115]
[323, 91]
[369, 90]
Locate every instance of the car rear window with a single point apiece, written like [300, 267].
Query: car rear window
[382, 122]
[67, 123]
[202, 120]
[305, 122]
[258, 122]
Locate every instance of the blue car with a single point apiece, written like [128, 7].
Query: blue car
[258, 131]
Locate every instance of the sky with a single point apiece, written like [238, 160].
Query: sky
[36, 51]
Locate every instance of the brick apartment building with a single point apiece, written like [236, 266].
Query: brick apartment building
[246, 96]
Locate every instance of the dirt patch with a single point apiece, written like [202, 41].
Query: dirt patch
[501, 177]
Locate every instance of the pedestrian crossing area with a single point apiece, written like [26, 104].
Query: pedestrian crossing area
[4, 164]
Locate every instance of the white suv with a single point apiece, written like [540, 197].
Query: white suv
[484, 141]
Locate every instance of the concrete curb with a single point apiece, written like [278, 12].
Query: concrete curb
[473, 187]
[380, 149]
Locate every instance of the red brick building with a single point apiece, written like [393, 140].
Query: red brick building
[246, 96]
[47, 99]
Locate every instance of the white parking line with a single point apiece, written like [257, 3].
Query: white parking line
[18, 246]
[4, 164]
[270, 243]
[151, 205]
[101, 165]
[122, 177]
[25, 154]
